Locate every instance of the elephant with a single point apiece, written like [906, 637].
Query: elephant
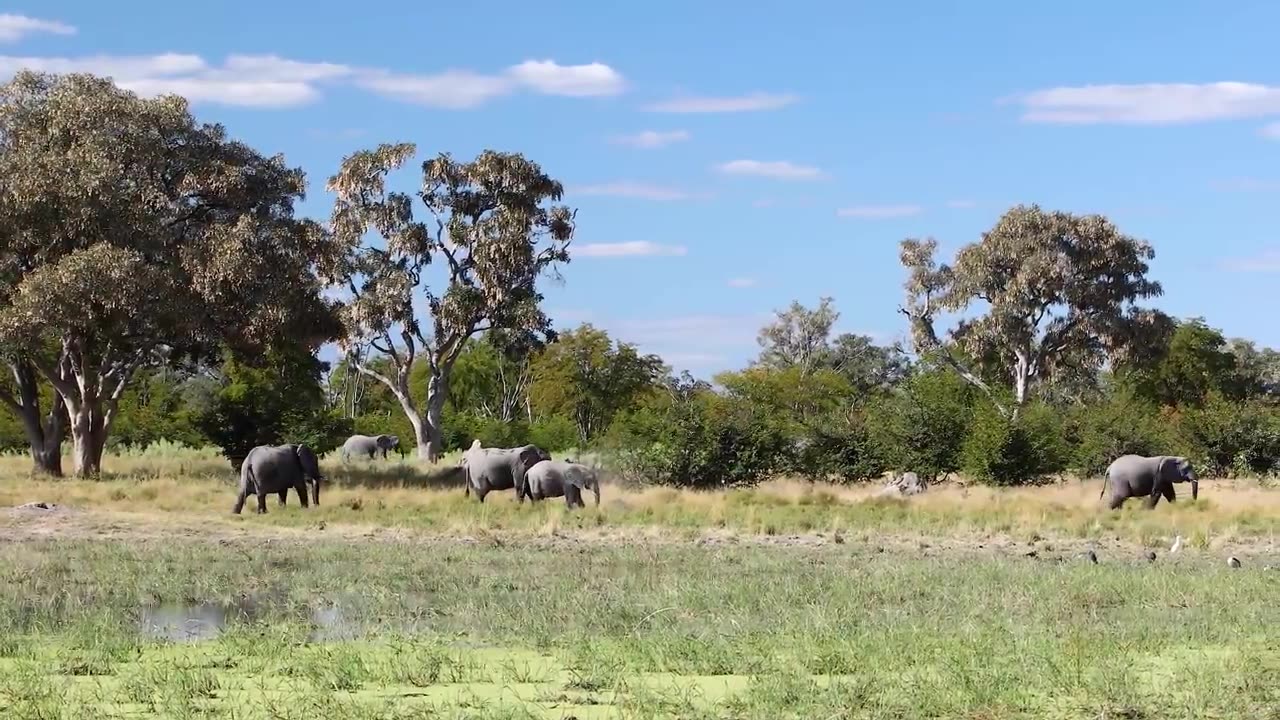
[556, 478]
[489, 469]
[369, 445]
[267, 469]
[1150, 477]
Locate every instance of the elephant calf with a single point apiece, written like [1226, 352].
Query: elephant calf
[267, 470]
[369, 446]
[1149, 477]
[556, 478]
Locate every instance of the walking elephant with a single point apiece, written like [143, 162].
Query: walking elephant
[556, 478]
[369, 445]
[267, 470]
[489, 469]
[1149, 477]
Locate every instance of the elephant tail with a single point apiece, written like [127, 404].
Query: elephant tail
[1105, 479]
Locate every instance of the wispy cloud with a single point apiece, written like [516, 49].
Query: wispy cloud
[640, 248]
[1150, 103]
[1271, 132]
[1246, 184]
[879, 211]
[638, 190]
[753, 102]
[961, 204]
[1267, 261]
[742, 282]
[16, 27]
[776, 169]
[270, 81]
[649, 139]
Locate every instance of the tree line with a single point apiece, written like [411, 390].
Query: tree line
[155, 283]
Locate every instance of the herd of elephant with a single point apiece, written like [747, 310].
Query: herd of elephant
[528, 469]
[531, 472]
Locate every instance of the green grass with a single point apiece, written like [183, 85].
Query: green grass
[400, 598]
[453, 630]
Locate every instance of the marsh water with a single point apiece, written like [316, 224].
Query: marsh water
[178, 622]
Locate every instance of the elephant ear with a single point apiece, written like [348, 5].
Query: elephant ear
[1162, 467]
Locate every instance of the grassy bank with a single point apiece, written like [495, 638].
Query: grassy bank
[142, 596]
[197, 488]
[371, 630]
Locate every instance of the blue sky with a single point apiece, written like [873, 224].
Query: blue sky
[727, 158]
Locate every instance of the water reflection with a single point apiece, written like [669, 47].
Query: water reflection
[177, 622]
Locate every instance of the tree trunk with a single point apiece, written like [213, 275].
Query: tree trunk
[45, 431]
[437, 392]
[45, 440]
[88, 436]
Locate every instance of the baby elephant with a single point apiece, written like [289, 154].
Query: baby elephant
[1149, 477]
[556, 478]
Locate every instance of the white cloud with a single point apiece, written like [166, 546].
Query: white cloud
[742, 282]
[880, 211]
[744, 103]
[1151, 103]
[16, 27]
[1271, 131]
[649, 139]
[449, 90]
[550, 78]
[961, 204]
[272, 81]
[627, 189]
[639, 248]
[779, 169]
[1267, 261]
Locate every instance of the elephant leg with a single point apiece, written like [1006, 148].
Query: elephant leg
[262, 499]
[284, 494]
[1116, 501]
[1169, 493]
[301, 487]
[1153, 498]
[241, 496]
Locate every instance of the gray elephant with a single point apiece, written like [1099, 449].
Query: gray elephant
[267, 470]
[1149, 477]
[556, 478]
[489, 469]
[369, 445]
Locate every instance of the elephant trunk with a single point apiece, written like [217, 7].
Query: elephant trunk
[595, 490]
[1195, 489]
[315, 491]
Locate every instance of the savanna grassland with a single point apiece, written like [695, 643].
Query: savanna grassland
[141, 595]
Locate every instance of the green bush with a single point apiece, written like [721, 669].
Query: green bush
[1004, 452]
[922, 426]
[842, 449]
[1227, 438]
[1121, 426]
[554, 434]
[702, 442]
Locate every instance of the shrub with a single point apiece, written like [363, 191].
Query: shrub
[922, 428]
[842, 448]
[1003, 452]
[1227, 438]
[702, 442]
[554, 434]
[1120, 426]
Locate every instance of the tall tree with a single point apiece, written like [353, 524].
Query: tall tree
[491, 379]
[489, 220]
[140, 236]
[1058, 290]
[800, 339]
[585, 376]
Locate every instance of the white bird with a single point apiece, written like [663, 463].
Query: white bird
[1233, 561]
[1177, 544]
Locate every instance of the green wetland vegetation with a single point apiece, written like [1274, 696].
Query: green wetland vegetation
[566, 624]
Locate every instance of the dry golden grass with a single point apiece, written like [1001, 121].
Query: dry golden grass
[183, 487]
